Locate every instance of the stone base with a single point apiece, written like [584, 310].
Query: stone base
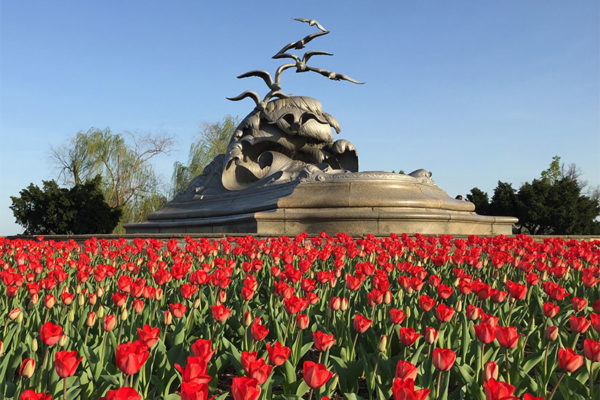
[356, 203]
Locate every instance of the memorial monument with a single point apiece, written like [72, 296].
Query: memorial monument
[283, 174]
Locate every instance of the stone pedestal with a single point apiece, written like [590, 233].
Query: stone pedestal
[357, 203]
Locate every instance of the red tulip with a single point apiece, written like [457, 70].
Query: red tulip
[361, 324]
[50, 333]
[444, 313]
[408, 336]
[495, 390]
[220, 312]
[426, 303]
[109, 322]
[507, 336]
[485, 332]
[203, 348]
[315, 375]
[406, 370]
[194, 371]
[595, 321]
[244, 388]
[32, 395]
[579, 324]
[259, 370]
[323, 341]
[552, 333]
[591, 350]
[131, 356]
[194, 391]
[516, 290]
[27, 368]
[490, 371]
[578, 303]
[473, 312]
[124, 393]
[258, 330]
[404, 389]
[551, 309]
[66, 363]
[302, 321]
[397, 316]
[178, 309]
[569, 360]
[443, 359]
[149, 335]
[278, 354]
[431, 335]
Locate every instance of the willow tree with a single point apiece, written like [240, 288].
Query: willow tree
[128, 178]
[214, 139]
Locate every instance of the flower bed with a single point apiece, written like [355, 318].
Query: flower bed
[306, 317]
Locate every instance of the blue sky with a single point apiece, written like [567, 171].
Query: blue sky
[475, 92]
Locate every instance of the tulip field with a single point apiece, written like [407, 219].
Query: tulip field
[306, 317]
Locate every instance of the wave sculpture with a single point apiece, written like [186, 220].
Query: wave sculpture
[283, 173]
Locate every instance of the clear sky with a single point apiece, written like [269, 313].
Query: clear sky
[474, 91]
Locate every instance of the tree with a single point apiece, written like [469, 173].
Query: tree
[54, 210]
[214, 139]
[552, 204]
[481, 201]
[128, 178]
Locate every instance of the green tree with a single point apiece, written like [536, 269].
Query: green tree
[552, 204]
[128, 178]
[480, 199]
[55, 210]
[214, 139]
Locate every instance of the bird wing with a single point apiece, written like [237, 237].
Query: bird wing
[311, 22]
[334, 75]
[248, 93]
[261, 74]
[311, 53]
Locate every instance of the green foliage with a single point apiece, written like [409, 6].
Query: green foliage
[128, 178]
[54, 210]
[481, 201]
[551, 205]
[214, 139]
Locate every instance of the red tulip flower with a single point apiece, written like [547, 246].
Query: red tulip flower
[507, 336]
[361, 324]
[244, 388]
[426, 303]
[406, 370]
[408, 336]
[397, 316]
[178, 310]
[323, 341]
[444, 313]
[569, 360]
[203, 348]
[315, 375]
[259, 370]
[32, 395]
[258, 330]
[550, 309]
[404, 389]
[109, 322]
[578, 303]
[495, 390]
[66, 363]
[443, 359]
[220, 312]
[194, 371]
[516, 290]
[430, 335]
[193, 391]
[485, 332]
[27, 368]
[579, 324]
[595, 321]
[50, 333]
[124, 393]
[278, 354]
[591, 350]
[131, 356]
[490, 371]
[149, 335]
[302, 321]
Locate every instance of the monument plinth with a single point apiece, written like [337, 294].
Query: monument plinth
[283, 173]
